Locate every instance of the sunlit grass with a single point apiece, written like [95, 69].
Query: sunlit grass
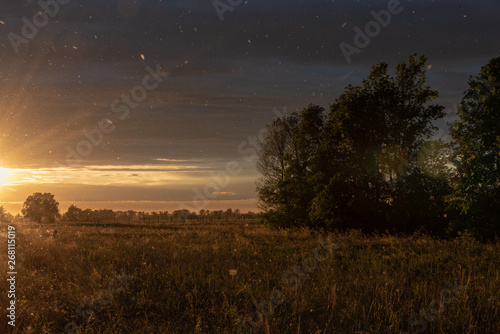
[201, 278]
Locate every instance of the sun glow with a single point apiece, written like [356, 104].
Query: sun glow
[4, 173]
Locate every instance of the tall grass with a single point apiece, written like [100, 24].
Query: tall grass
[202, 278]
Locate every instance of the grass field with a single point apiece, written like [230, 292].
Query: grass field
[206, 277]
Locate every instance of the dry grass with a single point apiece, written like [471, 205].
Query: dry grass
[201, 278]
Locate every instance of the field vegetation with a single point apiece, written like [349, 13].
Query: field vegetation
[204, 277]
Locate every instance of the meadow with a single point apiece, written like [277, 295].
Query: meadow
[205, 277]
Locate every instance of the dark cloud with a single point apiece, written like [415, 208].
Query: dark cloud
[225, 77]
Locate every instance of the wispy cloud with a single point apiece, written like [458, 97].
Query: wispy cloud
[104, 175]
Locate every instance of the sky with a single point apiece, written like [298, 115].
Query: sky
[158, 105]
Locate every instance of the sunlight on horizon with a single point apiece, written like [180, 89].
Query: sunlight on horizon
[101, 175]
[4, 176]
[151, 176]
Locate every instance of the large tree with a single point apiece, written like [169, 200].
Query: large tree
[476, 135]
[346, 168]
[288, 158]
[379, 129]
[41, 207]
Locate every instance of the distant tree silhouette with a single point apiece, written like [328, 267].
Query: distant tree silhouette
[181, 214]
[41, 207]
[38, 206]
[74, 214]
[104, 215]
[5, 217]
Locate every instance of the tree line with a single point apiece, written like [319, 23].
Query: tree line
[372, 162]
[43, 208]
[75, 214]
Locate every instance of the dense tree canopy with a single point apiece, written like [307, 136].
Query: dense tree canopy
[476, 134]
[371, 162]
[289, 157]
